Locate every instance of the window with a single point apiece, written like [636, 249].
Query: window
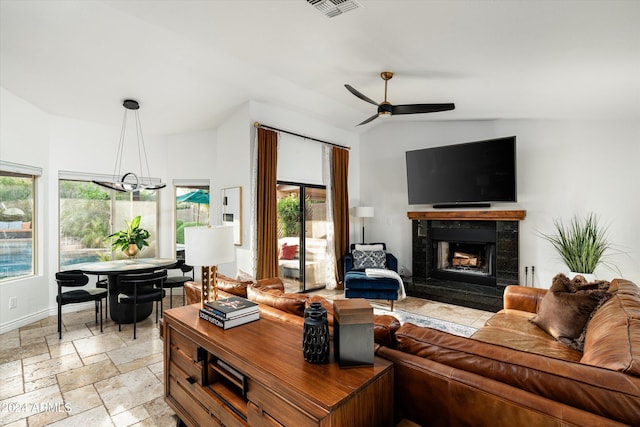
[17, 201]
[192, 209]
[89, 213]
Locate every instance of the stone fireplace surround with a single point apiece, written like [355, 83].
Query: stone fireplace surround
[498, 229]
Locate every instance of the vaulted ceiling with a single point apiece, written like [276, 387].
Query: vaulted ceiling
[190, 62]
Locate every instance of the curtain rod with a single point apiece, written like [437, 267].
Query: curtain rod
[260, 125]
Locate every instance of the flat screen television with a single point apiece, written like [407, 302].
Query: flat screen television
[471, 173]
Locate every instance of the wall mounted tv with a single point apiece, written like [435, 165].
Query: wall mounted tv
[461, 175]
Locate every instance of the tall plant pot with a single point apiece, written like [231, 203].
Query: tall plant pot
[590, 277]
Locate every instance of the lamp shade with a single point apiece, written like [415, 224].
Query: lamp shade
[363, 212]
[207, 246]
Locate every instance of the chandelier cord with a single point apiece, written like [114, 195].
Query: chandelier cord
[118, 165]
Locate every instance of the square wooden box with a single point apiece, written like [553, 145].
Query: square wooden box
[353, 332]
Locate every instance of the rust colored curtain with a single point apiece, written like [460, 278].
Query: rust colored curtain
[340, 166]
[266, 218]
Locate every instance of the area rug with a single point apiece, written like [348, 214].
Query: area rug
[420, 320]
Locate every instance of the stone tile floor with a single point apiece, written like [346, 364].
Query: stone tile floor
[89, 378]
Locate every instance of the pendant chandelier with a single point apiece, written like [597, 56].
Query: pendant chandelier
[130, 181]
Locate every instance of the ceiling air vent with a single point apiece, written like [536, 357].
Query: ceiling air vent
[333, 8]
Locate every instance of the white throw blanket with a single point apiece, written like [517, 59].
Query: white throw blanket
[381, 272]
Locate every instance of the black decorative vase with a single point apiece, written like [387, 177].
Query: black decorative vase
[315, 339]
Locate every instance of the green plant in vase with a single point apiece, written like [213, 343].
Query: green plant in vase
[581, 244]
[132, 239]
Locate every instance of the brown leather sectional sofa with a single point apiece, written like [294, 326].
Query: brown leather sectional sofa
[287, 307]
[511, 373]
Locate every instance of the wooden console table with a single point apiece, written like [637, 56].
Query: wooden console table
[256, 375]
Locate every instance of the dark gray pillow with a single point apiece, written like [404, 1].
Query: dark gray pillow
[369, 259]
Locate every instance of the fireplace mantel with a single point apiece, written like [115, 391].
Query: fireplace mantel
[496, 215]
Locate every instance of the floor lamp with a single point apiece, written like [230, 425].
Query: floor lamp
[209, 247]
[363, 212]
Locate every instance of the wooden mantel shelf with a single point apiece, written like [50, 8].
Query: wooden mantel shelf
[468, 215]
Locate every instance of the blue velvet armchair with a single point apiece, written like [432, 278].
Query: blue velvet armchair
[357, 284]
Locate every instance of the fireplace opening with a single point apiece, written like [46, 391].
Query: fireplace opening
[463, 252]
[463, 257]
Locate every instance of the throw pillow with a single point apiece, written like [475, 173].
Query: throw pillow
[374, 247]
[369, 259]
[287, 251]
[566, 308]
[243, 276]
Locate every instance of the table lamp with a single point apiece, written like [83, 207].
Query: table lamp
[208, 247]
[363, 212]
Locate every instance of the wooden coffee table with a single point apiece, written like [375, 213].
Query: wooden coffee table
[255, 374]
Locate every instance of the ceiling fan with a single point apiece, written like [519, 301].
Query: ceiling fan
[385, 108]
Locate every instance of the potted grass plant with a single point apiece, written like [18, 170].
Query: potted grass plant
[581, 244]
[132, 239]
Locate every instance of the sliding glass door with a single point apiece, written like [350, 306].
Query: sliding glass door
[302, 232]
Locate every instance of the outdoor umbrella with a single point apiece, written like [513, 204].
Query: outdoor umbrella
[200, 197]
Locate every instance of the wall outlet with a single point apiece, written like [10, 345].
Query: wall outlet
[13, 302]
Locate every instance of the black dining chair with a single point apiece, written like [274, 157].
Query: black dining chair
[139, 289]
[178, 281]
[76, 279]
[104, 284]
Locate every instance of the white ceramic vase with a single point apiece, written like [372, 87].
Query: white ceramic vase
[589, 276]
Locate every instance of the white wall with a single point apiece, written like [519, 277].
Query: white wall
[190, 156]
[564, 168]
[24, 139]
[234, 170]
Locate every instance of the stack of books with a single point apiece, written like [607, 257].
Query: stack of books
[229, 312]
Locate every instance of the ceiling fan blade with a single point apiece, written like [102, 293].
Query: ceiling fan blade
[375, 116]
[361, 96]
[421, 108]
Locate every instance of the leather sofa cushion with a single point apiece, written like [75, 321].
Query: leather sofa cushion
[512, 329]
[604, 392]
[233, 286]
[289, 303]
[517, 321]
[613, 335]
[530, 344]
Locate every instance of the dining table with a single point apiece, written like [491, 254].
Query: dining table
[123, 313]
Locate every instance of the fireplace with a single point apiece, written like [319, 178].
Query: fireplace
[465, 258]
[463, 253]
